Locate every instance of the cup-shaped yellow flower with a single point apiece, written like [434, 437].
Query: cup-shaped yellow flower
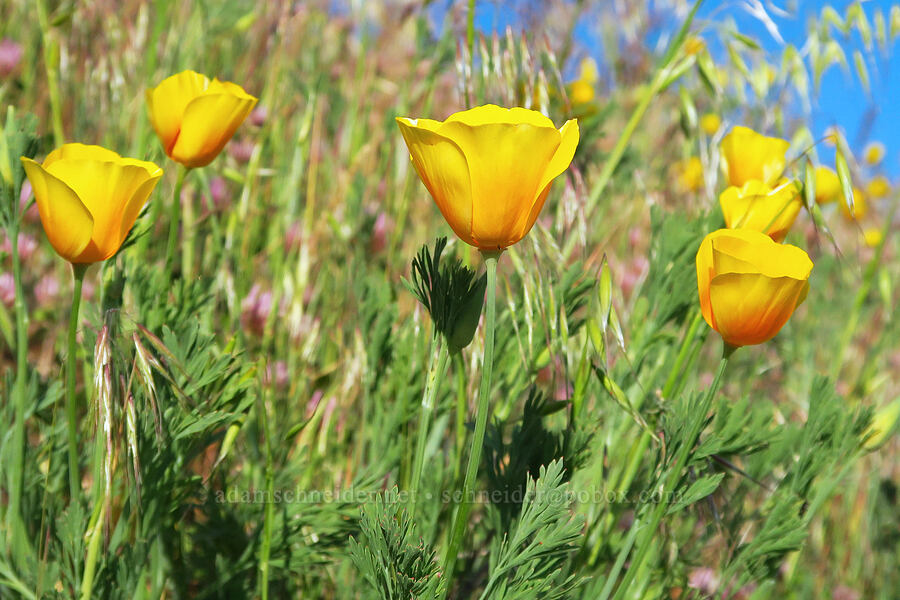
[749, 155]
[872, 237]
[873, 153]
[828, 185]
[710, 123]
[749, 285]
[195, 117]
[878, 187]
[489, 169]
[762, 208]
[689, 174]
[581, 92]
[860, 206]
[88, 198]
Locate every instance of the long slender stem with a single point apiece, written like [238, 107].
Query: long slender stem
[18, 443]
[188, 237]
[461, 406]
[94, 534]
[470, 31]
[268, 523]
[670, 482]
[484, 391]
[174, 221]
[102, 496]
[435, 374]
[78, 272]
[51, 67]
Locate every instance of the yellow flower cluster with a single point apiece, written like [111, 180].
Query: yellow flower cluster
[89, 197]
[748, 282]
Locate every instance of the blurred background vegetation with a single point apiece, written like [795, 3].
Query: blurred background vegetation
[297, 358]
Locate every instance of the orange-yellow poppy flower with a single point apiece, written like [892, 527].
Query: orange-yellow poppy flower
[749, 285]
[88, 198]
[828, 185]
[748, 155]
[581, 92]
[872, 237]
[195, 117]
[860, 206]
[878, 187]
[710, 123]
[873, 153]
[489, 169]
[762, 208]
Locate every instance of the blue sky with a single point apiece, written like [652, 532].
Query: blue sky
[841, 99]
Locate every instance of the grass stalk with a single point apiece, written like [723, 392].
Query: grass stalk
[269, 517]
[174, 221]
[457, 530]
[435, 374]
[78, 272]
[14, 517]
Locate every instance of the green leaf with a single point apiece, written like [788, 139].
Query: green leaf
[528, 563]
[698, 490]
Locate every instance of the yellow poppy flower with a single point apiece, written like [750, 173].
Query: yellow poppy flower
[828, 185]
[748, 155]
[749, 285]
[860, 206]
[762, 208]
[489, 169]
[694, 45]
[872, 236]
[88, 198]
[581, 92]
[710, 123]
[588, 71]
[878, 187]
[873, 153]
[690, 174]
[195, 117]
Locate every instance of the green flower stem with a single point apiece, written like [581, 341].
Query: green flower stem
[102, 499]
[677, 372]
[669, 485]
[188, 238]
[174, 221]
[458, 528]
[435, 374]
[269, 518]
[94, 535]
[461, 407]
[78, 272]
[18, 442]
